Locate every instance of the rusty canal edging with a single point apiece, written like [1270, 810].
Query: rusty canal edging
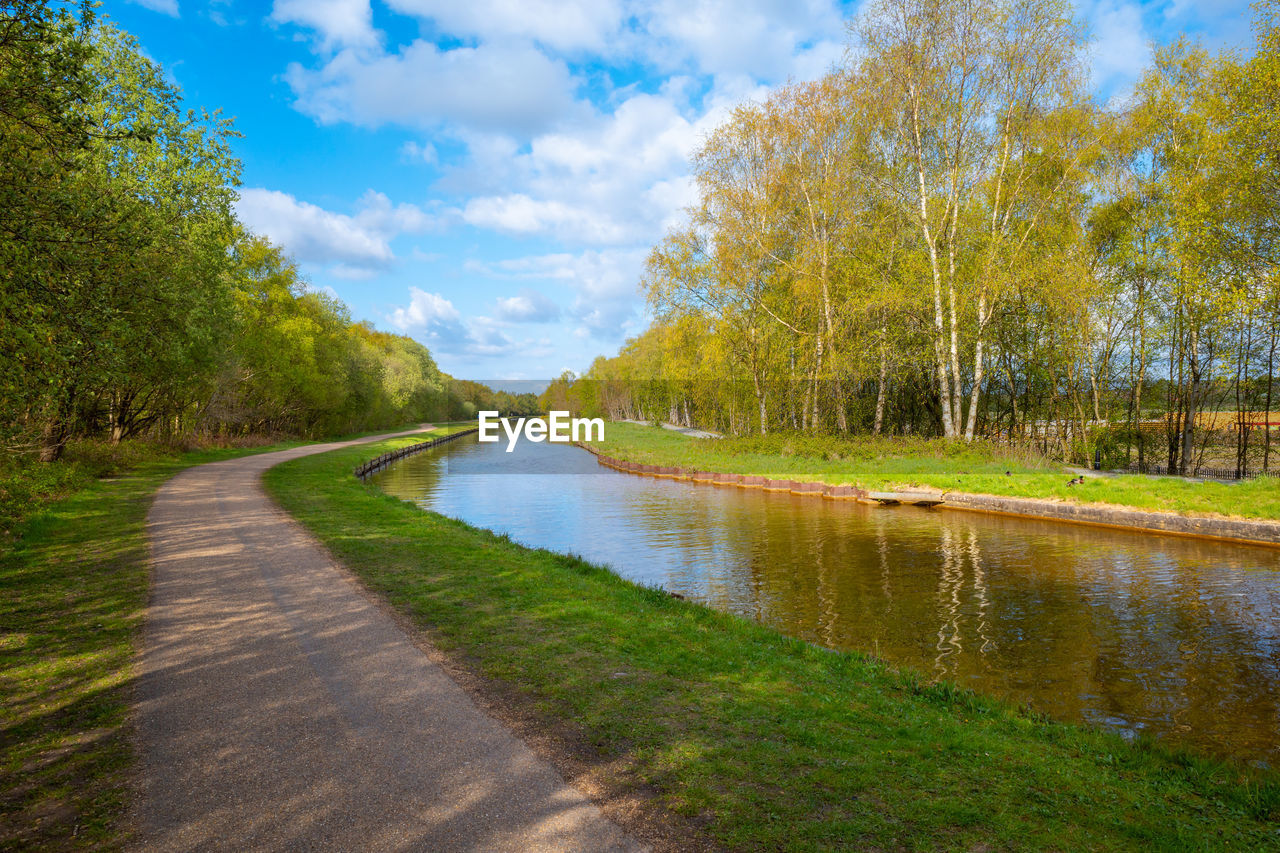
[1200, 527]
[380, 462]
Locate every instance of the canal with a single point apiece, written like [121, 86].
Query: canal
[1175, 638]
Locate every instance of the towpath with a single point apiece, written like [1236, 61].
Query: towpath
[279, 708]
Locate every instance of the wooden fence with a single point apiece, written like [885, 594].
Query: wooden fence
[1159, 468]
[390, 456]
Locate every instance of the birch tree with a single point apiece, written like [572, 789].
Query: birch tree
[970, 93]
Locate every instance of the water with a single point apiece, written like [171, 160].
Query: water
[1138, 633]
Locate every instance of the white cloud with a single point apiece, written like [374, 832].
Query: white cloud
[605, 282]
[530, 306]
[509, 87]
[358, 245]
[579, 155]
[520, 214]
[760, 38]
[565, 25]
[618, 179]
[1121, 48]
[415, 152]
[435, 321]
[164, 7]
[376, 213]
[337, 23]
[424, 310]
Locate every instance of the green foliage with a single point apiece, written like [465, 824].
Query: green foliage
[132, 301]
[298, 365]
[944, 236]
[113, 260]
[466, 399]
[27, 485]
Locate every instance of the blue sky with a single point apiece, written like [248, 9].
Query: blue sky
[487, 175]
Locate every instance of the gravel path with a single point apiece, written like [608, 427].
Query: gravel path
[279, 708]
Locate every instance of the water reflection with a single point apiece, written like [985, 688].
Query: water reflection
[1170, 636]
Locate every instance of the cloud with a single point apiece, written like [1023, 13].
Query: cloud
[540, 161]
[530, 306]
[520, 214]
[552, 120]
[433, 319]
[337, 23]
[606, 283]
[414, 152]
[357, 245]
[425, 310]
[621, 178]
[507, 88]
[564, 25]
[164, 7]
[757, 38]
[1121, 48]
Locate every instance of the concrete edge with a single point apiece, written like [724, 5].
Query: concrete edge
[1198, 526]
[1252, 532]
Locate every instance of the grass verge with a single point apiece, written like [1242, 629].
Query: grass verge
[763, 742]
[73, 591]
[896, 463]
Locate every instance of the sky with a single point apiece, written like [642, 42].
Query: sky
[487, 176]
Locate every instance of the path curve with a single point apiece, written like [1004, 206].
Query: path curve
[278, 708]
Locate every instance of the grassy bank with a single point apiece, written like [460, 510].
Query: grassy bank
[896, 463]
[73, 589]
[760, 741]
[26, 485]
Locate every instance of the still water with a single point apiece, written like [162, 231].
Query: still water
[1137, 633]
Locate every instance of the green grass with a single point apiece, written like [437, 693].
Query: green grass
[765, 742]
[453, 427]
[886, 464]
[26, 485]
[73, 590]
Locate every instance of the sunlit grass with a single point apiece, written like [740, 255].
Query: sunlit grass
[766, 742]
[888, 464]
[73, 590]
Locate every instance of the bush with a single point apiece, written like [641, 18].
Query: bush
[27, 485]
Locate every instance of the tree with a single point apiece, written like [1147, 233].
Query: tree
[971, 96]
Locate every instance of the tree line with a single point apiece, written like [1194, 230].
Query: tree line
[131, 300]
[951, 235]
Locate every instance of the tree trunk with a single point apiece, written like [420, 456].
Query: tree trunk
[760, 401]
[842, 423]
[1193, 403]
[815, 420]
[881, 389]
[944, 381]
[53, 439]
[957, 392]
[1266, 440]
[978, 369]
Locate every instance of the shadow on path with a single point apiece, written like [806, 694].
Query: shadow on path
[280, 709]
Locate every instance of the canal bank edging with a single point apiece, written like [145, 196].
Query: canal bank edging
[1199, 527]
[377, 464]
